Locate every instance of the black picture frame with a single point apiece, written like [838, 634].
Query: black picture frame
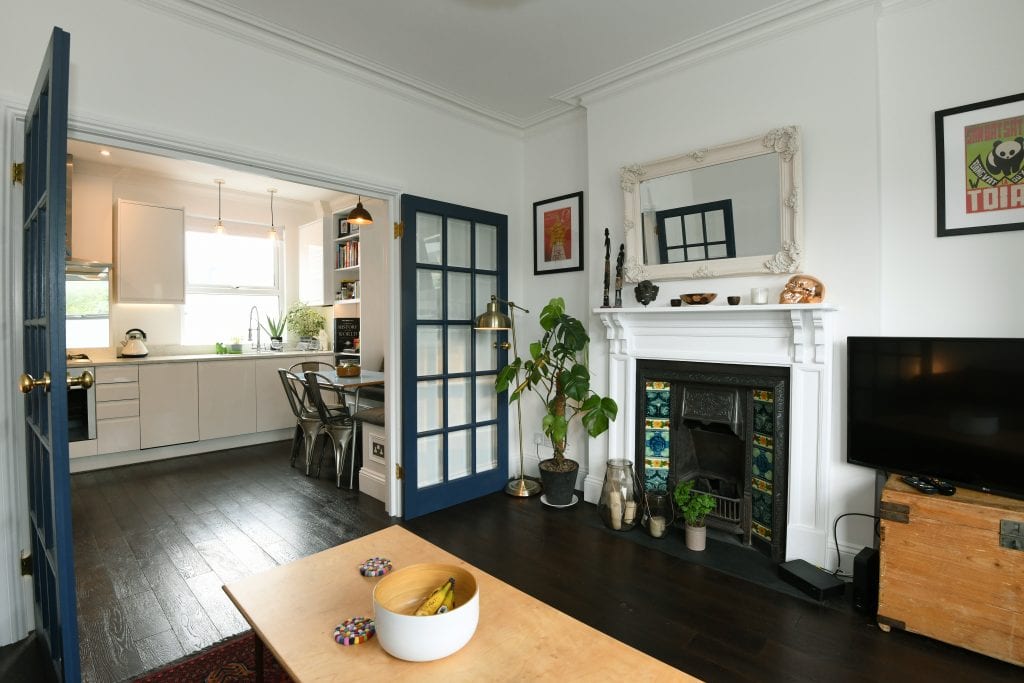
[558, 234]
[978, 191]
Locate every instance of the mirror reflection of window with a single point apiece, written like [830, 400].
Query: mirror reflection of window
[696, 233]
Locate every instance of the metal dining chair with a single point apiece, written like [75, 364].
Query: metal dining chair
[336, 425]
[312, 366]
[307, 419]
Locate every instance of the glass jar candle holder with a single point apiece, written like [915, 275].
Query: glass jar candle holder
[618, 506]
[658, 514]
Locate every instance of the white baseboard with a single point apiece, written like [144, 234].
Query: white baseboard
[103, 461]
[372, 484]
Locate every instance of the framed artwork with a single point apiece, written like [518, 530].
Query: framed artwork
[979, 162]
[558, 234]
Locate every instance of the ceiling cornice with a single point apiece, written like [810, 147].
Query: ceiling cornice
[754, 28]
[236, 23]
[230, 21]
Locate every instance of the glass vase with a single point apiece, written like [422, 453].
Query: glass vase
[658, 514]
[618, 506]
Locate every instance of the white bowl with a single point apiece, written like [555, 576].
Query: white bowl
[422, 639]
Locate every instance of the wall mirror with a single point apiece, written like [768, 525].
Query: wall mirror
[727, 210]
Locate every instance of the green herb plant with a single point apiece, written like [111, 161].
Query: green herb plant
[305, 321]
[695, 505]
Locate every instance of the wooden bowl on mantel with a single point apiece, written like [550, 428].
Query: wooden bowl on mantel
[698, 299]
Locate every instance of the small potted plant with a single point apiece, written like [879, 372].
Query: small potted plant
[557, 370]
[695, 506]
[275, 328]
[306, 322]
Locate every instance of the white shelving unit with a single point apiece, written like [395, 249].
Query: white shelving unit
[345, 278]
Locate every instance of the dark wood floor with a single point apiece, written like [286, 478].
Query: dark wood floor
[155, 542]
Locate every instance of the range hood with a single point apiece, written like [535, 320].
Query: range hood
[79, 269]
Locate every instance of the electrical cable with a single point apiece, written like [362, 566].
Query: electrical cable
[835, 537]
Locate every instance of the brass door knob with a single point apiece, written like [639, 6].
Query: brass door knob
[27, 383]
[83, 381]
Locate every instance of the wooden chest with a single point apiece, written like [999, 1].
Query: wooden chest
[952, 568]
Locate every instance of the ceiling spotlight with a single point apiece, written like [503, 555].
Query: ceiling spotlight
[104, 152]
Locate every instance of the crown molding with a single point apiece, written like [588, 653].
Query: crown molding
[236, 23]
[749, 30]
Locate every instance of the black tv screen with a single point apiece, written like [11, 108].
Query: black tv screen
[951, 408]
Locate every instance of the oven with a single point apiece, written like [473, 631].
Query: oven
[81, 407]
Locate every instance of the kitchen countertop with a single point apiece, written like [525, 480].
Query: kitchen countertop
[184, 358]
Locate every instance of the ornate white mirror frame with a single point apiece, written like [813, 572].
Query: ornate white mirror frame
[783, 142]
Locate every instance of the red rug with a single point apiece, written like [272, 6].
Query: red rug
[232, 661]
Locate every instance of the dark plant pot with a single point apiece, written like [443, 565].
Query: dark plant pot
[558, 486]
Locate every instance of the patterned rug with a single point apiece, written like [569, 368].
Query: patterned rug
[228, 662]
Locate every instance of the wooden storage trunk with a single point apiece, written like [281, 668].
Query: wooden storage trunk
[952, 568]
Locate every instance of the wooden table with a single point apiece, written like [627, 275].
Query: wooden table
[294, 608]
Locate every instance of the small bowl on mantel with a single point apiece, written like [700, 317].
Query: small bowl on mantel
[698, 299]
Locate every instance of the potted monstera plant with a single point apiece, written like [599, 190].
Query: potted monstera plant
[557, 371]
[695, 506]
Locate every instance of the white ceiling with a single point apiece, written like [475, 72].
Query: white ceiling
[124, 162]
[519, 61]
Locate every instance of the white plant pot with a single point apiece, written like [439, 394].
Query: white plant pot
[696, 537]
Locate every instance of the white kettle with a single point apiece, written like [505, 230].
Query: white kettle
[133, 346]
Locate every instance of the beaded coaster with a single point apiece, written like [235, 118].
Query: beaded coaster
[375, 566]
[354, 631]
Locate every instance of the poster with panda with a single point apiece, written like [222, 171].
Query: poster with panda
[980, 167]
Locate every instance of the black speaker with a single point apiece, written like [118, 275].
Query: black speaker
[865, 581]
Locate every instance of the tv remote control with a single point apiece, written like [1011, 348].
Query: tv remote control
[920, 484]
[944, 487]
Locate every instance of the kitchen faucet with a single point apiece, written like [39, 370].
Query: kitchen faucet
[254, 312]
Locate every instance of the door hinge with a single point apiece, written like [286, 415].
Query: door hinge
[26, 564]
[399, 471]
[399, 229]
[17, 173]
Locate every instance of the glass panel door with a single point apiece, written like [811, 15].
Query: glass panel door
[455, 431]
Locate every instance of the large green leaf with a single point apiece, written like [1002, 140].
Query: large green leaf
[575, 382]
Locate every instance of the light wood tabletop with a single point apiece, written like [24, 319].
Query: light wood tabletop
[294, 608]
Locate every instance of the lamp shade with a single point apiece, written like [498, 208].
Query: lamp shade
[492, 318]
[359, 215]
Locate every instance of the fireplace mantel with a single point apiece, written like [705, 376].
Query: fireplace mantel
[797, 336]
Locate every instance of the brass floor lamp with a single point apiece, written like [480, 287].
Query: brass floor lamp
[494, 320]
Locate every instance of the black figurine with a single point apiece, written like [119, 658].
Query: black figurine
[646, 292]
[618, 275]
[607, 267]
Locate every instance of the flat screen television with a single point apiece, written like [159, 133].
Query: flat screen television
[951, 408]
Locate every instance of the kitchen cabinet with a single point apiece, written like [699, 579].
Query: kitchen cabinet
[315, 288]
[92, 218]
[117, 409]
[168, 403]
[227, 398]
[272, 408]
[347, 286]
[150, 253]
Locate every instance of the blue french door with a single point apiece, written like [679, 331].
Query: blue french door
[454, 427]
[44, 381]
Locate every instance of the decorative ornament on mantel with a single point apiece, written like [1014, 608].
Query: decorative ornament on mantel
[646, 292]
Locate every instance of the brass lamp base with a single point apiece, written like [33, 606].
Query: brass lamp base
[522, 488]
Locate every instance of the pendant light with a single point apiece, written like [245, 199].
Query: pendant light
[272, 233]
[359, 215]
[219, 228]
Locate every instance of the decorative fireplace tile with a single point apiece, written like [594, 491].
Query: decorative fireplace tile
[657, 408]
[762, 463]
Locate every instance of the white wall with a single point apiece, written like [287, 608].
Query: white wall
[555, 165]
[934, 56]
[138, 68]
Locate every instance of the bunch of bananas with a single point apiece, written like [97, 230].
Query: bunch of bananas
[441, 600]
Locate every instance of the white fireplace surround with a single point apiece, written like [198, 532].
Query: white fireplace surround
[797, 336]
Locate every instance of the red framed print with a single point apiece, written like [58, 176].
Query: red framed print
[979, 161]
[558, 234]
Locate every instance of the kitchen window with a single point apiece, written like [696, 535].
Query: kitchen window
[88, 314]
[226, 274]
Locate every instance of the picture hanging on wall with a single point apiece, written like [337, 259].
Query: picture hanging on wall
[979, 161]
[558, 234]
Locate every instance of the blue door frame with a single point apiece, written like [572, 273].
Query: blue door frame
[46, 424]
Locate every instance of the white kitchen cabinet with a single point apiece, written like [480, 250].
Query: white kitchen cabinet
[118, 434]
[227, 398]
[150, 254]
[117, 408]
[272, 408]
[92, 218]
[315, 254]
[168, 403]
